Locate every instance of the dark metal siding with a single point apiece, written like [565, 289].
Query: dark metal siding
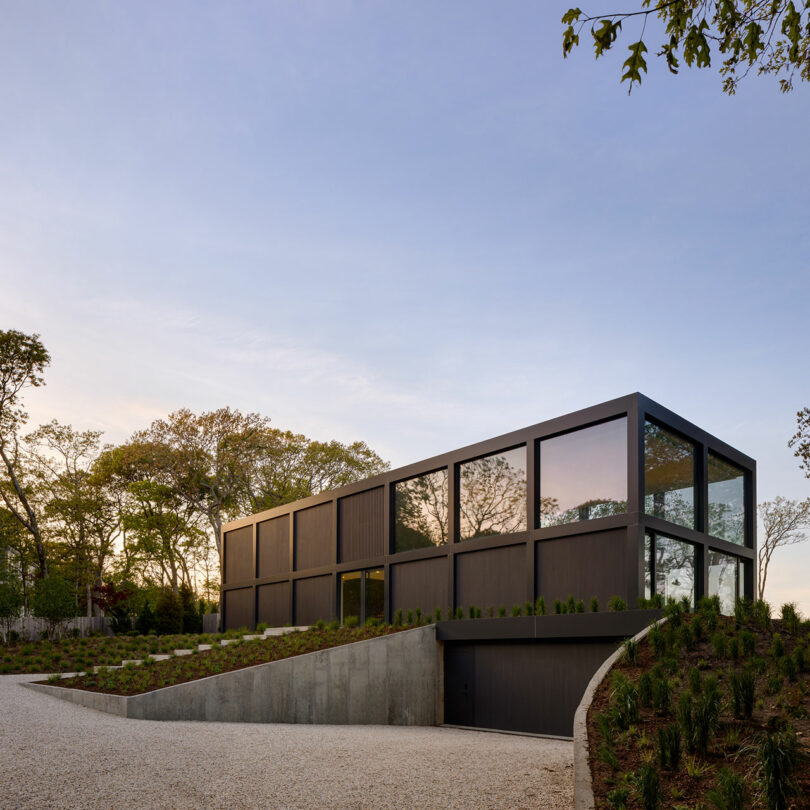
[313, 537]
[491, 578]
[601, 565]
[273, 546]
[314, 600]
[273, 604]
[422, 584]
[530, 686]
[361, 527]
[239, 555]
[239, 608]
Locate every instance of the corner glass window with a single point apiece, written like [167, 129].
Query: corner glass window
[669, 476]
[673, 564]
[724, 580]
[420, 511]
[583, 474]
[726, 500]
[492, 494]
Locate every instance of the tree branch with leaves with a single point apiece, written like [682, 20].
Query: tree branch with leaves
[769, 36]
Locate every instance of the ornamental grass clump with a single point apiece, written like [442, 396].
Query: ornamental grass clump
[661, 696]
[631, 651]
[743, 693]
[624, 701]
[649, 787]
[791, 621]
[540, 606]
[730, 793]
[778, 756]
[669, 747]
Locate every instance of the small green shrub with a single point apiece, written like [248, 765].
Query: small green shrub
[706, 714]
[742, 610]
[594, 605]
[557, 606]
[618, 797]
[398, 618]
[661, 696]
[571, 604]
[624, 701]
[697, 629]
[517, 610]
[354, 621]
[649, 787]
[774, 685]
[459, 613]
[580, 606]
[719, 642]
[658, 640]
[743, 688]
[777, 649]
[791, 621]
[645, 690]
[733, 648]
[408, 618]
[437, 615]
[800, 657]
[616, 603]
[787, 666]
[631, 651]
[695, 681]
[528, 609]
[540, 606]
[501, 611]
[685, 636]
[669, 747]
[418, 616]
[761, 612]
[262, 626]
[778, 755]
[730, 793]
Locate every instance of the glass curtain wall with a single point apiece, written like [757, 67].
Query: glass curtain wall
[583, 474]
[420, 511]
[669, 476]
[726, 500]
[670, 567]
[492, 494]
[725, 579]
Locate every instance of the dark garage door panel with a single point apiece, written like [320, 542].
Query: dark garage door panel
[520, 686]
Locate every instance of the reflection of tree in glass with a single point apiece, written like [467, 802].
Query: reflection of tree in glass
[726, 521]
[669, 476]
[590, 510]
[492, 497]
[723, 580]
[420, 511]
[674, 568]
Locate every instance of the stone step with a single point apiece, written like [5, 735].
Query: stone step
[183, 652]
[252, 638]
[160, 657]
[226, 641]
[203, 647]
[281, 631]
[136, 661]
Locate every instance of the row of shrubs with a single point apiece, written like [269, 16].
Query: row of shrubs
[696, 714]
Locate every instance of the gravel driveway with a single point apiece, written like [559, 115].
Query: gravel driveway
[55, 754]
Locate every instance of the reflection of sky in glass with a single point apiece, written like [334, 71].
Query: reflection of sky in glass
[669, 476]
[726, 500]
[674, 569]
[492, 494]
[583, 474]
[723, 580]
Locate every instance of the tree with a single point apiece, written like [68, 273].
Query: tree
[771, 35]
[801, 440]
[169, 613]
[54, 601]
[11, 604]
[23, 359]
[782, 521]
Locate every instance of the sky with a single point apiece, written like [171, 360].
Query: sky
[411, 223]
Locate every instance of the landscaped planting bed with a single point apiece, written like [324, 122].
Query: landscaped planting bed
[79, 654]
[707, 711]
[136, 679]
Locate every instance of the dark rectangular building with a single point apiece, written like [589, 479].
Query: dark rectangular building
[622, 499]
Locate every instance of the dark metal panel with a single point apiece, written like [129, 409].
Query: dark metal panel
[314, 600]
[603, 564]
[361, 525]
[519, 686]
[421, 584]
[273, 546]
[238, 555]
[238, 608]
[273, 604]
[314, 537]
[491, 578]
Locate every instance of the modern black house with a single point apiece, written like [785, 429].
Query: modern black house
[622, 499]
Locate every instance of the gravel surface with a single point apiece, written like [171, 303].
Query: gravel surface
[55, 754]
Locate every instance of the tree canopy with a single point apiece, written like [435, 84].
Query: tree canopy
[771, 37]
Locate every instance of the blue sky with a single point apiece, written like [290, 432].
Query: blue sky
[411, 223]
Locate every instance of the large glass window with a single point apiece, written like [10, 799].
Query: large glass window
[726, 500]
[583, 474]
[420, 511]
[724, 580]
[492, 494]
[362, 594]
[670, 565]
[669, 476]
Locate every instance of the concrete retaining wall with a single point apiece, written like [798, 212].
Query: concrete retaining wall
[392, 680]
[583, 784]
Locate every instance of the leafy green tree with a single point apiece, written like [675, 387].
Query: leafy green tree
[169, 613]
[801, 440]
[11, 604]
[769, 36]
[146, 620]
[23, 359]
[55, 601]
[192, 622]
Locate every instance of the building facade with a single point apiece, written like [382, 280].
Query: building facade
[621, 499]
